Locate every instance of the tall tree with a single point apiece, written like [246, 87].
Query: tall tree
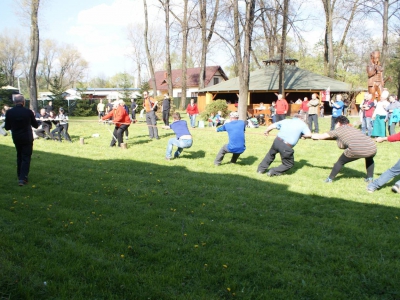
[206, 38]
[329, 6]
[283, 47]
[184, 22]
[12, 52]
[385, 9]
[166, 7]
[34, 52]
[149, 57]
[243, 61]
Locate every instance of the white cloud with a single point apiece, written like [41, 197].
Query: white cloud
[100, 33]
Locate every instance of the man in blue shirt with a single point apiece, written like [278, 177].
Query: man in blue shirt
[290, 131]
[183, 137]
[337, 109]
[236, 144]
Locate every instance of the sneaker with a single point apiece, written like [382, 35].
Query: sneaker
[260, 172]
[370, 190]
[269, 174]
[167, 158]
[396, 188]
[215, 164]
[21, 182]
[328, 180]
[368, 180]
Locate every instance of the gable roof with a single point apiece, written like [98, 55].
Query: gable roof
[192, 77]
[266, 79]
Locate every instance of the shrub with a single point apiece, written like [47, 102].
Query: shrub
[214, 107]
[84, 109]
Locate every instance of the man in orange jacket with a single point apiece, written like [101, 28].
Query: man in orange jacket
[121, 120]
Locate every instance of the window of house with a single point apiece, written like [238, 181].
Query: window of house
[194, 94]
[216, 80]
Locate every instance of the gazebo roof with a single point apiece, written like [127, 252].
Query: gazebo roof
[266, 79]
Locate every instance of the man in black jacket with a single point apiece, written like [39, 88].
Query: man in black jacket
[20, 121]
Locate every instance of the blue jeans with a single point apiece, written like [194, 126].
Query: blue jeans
[385, 177]
[367, 125]
[192, 120]
[180, 144]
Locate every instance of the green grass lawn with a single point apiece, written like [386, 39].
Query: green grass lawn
[96, 222]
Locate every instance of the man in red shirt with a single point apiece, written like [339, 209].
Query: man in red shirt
[281, 108]
[389, 174]
[304, 108]
[121, 120]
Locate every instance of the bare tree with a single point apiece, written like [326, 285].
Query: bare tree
[385, 9]
[283, 47]
[149, 57]
[135, 36]
[11, 56]
[185, 28]
[166, 6]
[243, 61]
[206, 38]
[72, 66]
[34, 52]
[49, 52]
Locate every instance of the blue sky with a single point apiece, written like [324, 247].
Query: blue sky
[96, 27]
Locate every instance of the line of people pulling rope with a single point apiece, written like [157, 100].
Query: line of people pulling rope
[46, 122]
[356, 145]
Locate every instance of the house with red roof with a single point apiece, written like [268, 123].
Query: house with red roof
[214, 75]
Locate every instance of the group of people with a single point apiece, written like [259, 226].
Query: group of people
[356, 143]
[379, 117]
[46, 119]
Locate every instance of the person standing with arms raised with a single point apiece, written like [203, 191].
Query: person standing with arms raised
[20, 121]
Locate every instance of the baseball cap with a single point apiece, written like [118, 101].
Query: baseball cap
[234, 114]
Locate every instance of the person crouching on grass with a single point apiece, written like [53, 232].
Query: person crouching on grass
[236, 144]
[183, 137]
[356, 144]
[290, 131]
[120, 119]
[390, 173]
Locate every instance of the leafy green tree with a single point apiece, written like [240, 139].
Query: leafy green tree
[83, 107]
[5, 95]
[214, 107]
[126, 83]
[57, 90]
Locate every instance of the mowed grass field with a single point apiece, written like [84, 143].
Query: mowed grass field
[96, 222]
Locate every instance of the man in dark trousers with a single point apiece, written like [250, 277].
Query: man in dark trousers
[20, 121]
[44, 131]
[290, 131]
[166, 106]
[236, 144]
[151, 106]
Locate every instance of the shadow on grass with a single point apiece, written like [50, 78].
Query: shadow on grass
[124, 229]
[192, 154]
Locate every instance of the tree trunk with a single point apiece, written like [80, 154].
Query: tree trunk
[244, 64]
[206, 39]
[146, 43]
[328, 45]
[185, 33]
[166, 7]
[34, 49]
[283, 48]
[346, 30]
[385, 39]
